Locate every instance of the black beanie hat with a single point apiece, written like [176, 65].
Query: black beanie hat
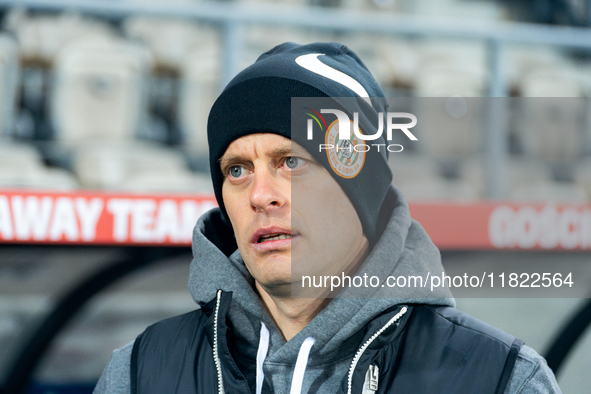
[259, 99]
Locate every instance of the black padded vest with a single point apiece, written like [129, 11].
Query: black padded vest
[431, 350]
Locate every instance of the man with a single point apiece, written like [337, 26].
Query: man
[287, 211]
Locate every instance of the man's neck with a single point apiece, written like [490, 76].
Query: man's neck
[291, 314]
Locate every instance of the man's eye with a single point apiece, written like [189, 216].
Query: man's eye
[292, 162]
[236, 171]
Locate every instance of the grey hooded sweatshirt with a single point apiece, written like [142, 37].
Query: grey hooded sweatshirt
[404, 249]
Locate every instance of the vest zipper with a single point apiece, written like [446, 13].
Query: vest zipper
[368, 342]
[216, 354]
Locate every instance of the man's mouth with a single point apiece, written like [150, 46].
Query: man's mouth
[273, 237]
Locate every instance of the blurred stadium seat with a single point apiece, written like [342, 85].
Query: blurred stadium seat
[41, 37]
[138, 167]
[450, 131]
[200, 85]
[547, 190]
[448, 68]
[553, 132]
[397, 62]
[21, 167]
[439, 189]
[20, 164]
[170, 39]
[419, 177]
[522, 60]
[583, 175]
[100, 91]
[9, 83]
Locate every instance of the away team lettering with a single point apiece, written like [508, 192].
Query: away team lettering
[99, 219]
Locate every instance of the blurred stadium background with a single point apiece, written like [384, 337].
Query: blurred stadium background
[113, 95]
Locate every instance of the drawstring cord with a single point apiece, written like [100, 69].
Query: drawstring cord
[261, 355]
[300, 366]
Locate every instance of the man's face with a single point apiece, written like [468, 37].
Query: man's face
[286, 209]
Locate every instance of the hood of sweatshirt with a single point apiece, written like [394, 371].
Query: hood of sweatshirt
[404, 249]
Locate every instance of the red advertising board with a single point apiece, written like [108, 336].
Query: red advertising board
[99, 218]
[134, 219]
[488, 225]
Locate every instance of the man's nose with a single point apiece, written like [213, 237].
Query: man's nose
[266, 193]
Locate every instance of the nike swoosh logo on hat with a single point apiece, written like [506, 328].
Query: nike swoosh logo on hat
[312, 63]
